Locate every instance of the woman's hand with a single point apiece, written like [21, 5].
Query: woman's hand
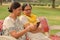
[32, 27]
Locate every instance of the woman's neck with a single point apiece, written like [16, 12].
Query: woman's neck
[28, 15]
[12, 15]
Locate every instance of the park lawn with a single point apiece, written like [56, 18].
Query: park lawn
[3, 12]
[53, 32]
[52, 15]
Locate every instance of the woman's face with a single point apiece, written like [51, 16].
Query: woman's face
[27, 10]
[18, 11]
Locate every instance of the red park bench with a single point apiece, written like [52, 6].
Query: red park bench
[1, 25]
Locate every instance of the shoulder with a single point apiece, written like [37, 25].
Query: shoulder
[7, 19]
[6, 23]
[22, 17]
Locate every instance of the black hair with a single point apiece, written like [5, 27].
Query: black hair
[14, 5]
[24, 5]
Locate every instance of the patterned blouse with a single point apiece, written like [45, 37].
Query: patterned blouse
[10, 24]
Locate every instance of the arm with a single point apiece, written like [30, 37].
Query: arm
[8, 24]
[32, 27]
[26, 23]
[18, 34]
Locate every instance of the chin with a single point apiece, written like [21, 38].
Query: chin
[28, 15]
[18, 15]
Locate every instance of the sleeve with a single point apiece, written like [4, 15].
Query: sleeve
[23, 19]
[8, 26]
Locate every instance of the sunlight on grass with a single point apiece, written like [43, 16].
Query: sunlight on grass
[52, 32]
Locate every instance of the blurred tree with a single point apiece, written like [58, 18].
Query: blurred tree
[28, 0]
[53, 3]
[43, 0]
[0, 2]
[12, 0]
[47, 1]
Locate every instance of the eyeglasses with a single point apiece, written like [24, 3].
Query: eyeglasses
[27, 9]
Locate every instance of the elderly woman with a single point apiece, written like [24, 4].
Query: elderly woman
[12, 26]
[29, 18]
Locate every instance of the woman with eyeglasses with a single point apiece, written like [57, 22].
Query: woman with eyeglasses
[29, 18]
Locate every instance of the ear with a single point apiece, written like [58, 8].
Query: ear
[14, 10]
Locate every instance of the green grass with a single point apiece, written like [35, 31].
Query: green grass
[54, 31]
[52, 15]
[3, 12]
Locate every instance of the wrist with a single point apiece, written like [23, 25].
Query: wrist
[27, 29]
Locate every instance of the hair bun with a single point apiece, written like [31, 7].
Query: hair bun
[9, 10]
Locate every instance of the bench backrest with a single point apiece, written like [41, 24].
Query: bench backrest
[1, 25]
